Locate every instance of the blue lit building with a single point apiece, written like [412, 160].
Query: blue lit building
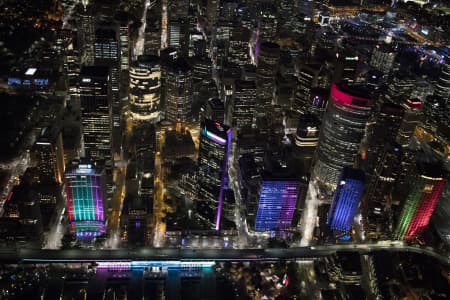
[277, 203]
[215, 141]
[346, 200]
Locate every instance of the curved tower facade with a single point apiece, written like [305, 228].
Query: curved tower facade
[145, 89]
[343, 128]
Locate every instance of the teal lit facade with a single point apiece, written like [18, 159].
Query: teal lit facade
[85, 199]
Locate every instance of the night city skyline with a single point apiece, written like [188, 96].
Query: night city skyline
[225, 149]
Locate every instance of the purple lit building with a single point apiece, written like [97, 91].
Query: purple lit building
[85, 193]
[215, 141]
[277, 203]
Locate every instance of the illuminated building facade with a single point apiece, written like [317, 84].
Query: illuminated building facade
[238, 51]
[421, 201]
[145, 89]
[244, 104]
[307, 79]
[342, 130]
[268, 60]
[87, 34]
[267, 20]
[96, 118]
[96, 111]
[179, 91]
[411, 118]
[383, 132]
[215, 142]
[107, 53]
[124, 44]
[85, 191]
[377, 205]
[215, 110]
[346, 199]
[442, 88]
[277, 203]
[306, 139]
[48, 154]
[346, 67]
[383, 57]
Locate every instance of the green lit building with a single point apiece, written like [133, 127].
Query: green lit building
[421, 202]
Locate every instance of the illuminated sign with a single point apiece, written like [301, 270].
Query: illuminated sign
[86, 80]
[14, 81]
[41, 81]
[30, 71]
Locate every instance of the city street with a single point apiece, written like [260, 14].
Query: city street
[159, 205]
[309, 218]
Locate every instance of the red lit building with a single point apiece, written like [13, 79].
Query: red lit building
[421, 202]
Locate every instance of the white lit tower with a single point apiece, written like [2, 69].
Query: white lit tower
[343, 128]
[145, 89]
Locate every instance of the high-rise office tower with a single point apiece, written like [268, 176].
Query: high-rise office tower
[399, 88]
[307, 7]
[442, 88]
[124, 37]
[342, 130]
[215, 142]
[411, 118]
[96, 112]
[144, 146]
[215, 110]
[48, 154]
[346, 66]
[177, 8]
[288, 9]
[244, 104]
[145, 89]
[435, 111]
[306, 139]
[96, 119]
[267, 20]
[106, 47]
[179, 91]
[72, 65]
[277, 203]
[107, 53]
[421, 201]
[87, 31]
[377, 205]
[238, 51]
[309, 97]
[178, 35]
[307, 79]
[227, 10]
[152, 39]
[441, 217]
[268, 60]
[384, 131]
[383, 57]
[346, 199]
[212, 7]
[85, 194]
